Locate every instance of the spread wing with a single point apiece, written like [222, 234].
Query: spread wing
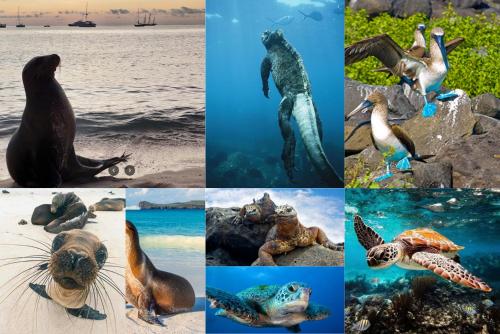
[382, 47]
[404, 138]
[451, 45]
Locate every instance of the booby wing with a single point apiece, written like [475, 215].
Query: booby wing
[404, 139]
[451, 45]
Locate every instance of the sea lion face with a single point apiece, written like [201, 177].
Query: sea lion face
[270, 38]
[40, 68]
[76, 258]
[286, 211]
[57, 202]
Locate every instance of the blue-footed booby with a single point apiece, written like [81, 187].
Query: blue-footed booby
[390, 140]
[424, 74]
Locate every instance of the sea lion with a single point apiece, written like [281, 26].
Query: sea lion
[66, 212]
[41, 152]
[288, 234]
[150, 290]
[261, 211]
[76, 258]
[108, 204]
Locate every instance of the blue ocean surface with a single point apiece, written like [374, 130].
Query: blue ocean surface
[327, 285]
[468, 217]
[174, 240]
[244, 142]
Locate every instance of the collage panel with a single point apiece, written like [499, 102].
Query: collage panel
[274, 227]
[107, 102]
[165, 274]
[422, 260]
[274, 94]
[62, 261]
[275, 299]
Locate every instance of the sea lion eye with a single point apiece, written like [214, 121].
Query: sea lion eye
[101, 256]
[58, 242]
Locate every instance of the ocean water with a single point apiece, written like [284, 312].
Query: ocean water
[129, 87]
[244, 142]
[327, 285]
[174, 240]
[468, 217]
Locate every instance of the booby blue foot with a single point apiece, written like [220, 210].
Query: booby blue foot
[383, 177]
[447, 96]
[403, 164]
[429, 110]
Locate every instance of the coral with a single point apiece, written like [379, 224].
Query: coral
[402, 304]
[422, 285]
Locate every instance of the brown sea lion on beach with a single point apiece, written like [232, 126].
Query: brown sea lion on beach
[152, 291]
[288, 234]
[76, 258]
[66, 212]
[41, 151]
[108, 204]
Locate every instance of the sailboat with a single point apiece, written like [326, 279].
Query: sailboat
[144, 23]
[84, 23]
[19, 24]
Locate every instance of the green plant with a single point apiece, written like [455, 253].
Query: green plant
[360, 177]
[473, 65]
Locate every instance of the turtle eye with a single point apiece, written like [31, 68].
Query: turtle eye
[292, 288]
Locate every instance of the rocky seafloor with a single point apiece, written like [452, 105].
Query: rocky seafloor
[238, 244]
[421, 302]
[463, 137]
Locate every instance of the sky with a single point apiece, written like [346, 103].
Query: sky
[163, 196]
[315, 207]
[107, 12]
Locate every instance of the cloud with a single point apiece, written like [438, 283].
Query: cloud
[183, 11]
[119, 11]
[213, 16]
[295, 3]
[235, 20]
[313, 208]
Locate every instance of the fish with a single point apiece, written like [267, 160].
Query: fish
[283, 21]
[361, 325]
[315, 15]
[488, 303]
[468, 309]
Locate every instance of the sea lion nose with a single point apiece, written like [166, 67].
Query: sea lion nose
[76, 258]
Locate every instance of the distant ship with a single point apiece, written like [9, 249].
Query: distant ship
[47, 26]
[84, 23]
[19, 24]
[3, 25]
[149, 23]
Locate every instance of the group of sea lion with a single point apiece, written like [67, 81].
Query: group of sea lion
[287, 232]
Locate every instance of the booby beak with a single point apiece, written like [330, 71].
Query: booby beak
[421, 27]
[363, 107]
[440, 42]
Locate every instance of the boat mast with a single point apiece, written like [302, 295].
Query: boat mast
[86, 11]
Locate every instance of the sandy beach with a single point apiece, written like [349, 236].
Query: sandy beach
[22, 311]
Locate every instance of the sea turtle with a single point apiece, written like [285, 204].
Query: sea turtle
[268, 305]
[418, 249]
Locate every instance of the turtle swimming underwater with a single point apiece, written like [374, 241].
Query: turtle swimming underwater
[418, 249]
[268, 305]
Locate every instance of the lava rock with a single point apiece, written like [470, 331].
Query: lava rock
[315, 255]
[22, 222]
[405, 8]
[486, 104]
[359, 141]
[372, 7]
[433, 175]
[467, 3]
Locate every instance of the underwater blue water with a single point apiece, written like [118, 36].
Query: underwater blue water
[470, 218]
[244, 142]
[174, 240]
[327, 285]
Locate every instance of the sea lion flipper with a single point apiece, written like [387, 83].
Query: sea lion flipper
[86, 312]
[288, 153]
[39, 289]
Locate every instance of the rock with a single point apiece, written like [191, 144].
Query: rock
[372, 7]
[467, 3]
[22, 222]
[238, 243]
[315, 255]
[485, 124]
[359, 141]
[437, 207]
[486, 104]
[433, 175]
[405, 8]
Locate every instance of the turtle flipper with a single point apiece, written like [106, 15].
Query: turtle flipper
[39, 289]
[288, 153]
[316, 312]
[449, 270]
[367, 237]
[233, 305]
[86, 312]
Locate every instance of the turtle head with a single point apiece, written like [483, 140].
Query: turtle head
[384, 255]
[270, 38]
[292, 297]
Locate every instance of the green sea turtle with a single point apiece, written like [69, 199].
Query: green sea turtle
[418, 249]
[268, 305]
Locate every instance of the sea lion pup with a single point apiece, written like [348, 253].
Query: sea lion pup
[76, 257]
[261, 211]
[150, 290]
[41, 152]
[66, 212]
[108, 204]
[288, 234]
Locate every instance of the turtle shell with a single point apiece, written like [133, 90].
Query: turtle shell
[426, 237]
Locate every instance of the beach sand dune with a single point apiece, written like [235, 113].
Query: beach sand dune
[21, 310]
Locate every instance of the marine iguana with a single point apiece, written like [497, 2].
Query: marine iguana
[261, 211]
